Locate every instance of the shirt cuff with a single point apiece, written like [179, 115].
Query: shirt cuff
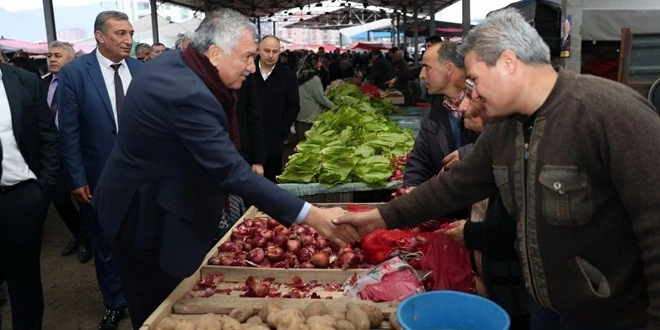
[303, 212]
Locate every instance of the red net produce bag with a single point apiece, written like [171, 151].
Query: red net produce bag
[392, 280]
[450, 263]
[382, 244]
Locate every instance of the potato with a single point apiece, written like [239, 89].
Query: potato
[315, 308]
[248, 326]
[168, 323]
[273, 319]
[394, 321]
[231, 323]
[375, 315]
[255, 320]
[345, 325]
[209, 322]
[289, 316]
[185, 325]
[338, 315]
[266, 309]
[357, 317]
[322, 319]
[241, 314]
[319, 326]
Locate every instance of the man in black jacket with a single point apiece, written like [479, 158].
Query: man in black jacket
[29, 156]
[381, 70]
[277, 88]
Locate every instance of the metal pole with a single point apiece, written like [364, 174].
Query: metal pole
[432, 17]
[415, 31]
[154, 20]
[49, 19]
[259, 27]
[398, 29]
[403, 23]
[466, 17]
[571, 58]
[274, 31]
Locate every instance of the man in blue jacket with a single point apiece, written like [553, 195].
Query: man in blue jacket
[176, 159]
[89, 98]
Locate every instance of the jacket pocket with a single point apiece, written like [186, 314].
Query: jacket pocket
[565, 195]
[596, 280]
[501, 175]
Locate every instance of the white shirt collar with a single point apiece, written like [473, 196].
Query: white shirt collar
[105, 62]
[265, 74]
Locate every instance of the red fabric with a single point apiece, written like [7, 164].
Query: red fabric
[358, 208]
[201, 65]
[380, 244]
[450, 263]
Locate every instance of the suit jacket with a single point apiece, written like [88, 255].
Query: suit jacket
[174, 161]
[381, 72]
[33, 127]
[86, 120]
[250, 123]
[280, 105]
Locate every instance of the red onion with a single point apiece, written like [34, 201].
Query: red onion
[320, 260]
[241, 256]
[306, 265]
[298, 230]
[249, 222]
[344, 250]
[304, 254]
[228, 247]
[271, 223]
[247, 246]
[260, 242]
[348, 260]
[275, 253]
[280, 240]
[227, 258]
[309, 230]
[321, 243]
[265, 233]
[291, 260]
[281, 230]
[215, 261]
[257, 289]
[293, 246]
[307, 240]
[256, 255]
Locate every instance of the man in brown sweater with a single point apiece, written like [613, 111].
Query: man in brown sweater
[567, 156]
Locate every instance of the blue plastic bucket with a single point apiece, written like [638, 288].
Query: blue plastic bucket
[444, 310]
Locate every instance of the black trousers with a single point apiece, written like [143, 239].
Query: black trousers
[22, 214]
[273, 167]
[66, 210]
[145, 283]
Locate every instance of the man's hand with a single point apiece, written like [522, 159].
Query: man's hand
[455, 232]
[258, 168]
[83, 195]
[321, 220]
[450, 160]
[362, 222]
[390, 83]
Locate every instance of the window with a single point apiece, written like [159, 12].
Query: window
[143, 6]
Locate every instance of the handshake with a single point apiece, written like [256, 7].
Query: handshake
[341, 227]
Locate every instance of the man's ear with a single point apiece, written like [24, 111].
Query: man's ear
[509, 60]
[451, 68]
[99, 36]
[215, 55]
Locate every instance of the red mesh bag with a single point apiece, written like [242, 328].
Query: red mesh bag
[383, 244]
[450, 263]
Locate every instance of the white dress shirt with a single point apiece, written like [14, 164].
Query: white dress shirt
[263, 72]
[109, 79]
[14, 167]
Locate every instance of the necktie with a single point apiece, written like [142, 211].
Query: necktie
[119, 89]
[53, 101]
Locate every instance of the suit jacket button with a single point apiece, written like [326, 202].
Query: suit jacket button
[114, 132]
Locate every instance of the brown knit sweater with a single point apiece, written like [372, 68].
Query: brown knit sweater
[585, 193]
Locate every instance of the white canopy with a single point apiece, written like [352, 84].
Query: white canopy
[375, 25]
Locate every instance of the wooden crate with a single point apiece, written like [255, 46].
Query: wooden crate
[192, 308]
[340, 197]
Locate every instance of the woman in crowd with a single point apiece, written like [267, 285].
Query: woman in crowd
[312, 97]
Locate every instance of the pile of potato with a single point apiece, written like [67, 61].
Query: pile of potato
[315, 316]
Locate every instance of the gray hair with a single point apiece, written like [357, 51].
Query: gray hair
[63, 45]
[399, 53]
[222, 28]
[139, 47]
[448, 53]
[502, 30]
[180, 38]
[104, 16]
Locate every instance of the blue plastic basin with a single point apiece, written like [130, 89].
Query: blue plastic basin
[444, 310]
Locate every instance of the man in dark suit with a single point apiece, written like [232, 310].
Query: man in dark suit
[90, 97]
[277, 87]
[30, 165]
[59, 54]
[176, 158]
[381, 70]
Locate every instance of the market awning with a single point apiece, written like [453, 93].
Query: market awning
[380, 24]
[371, 46]
[340, 18]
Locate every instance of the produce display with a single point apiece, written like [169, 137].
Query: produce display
[313, 316]
[259, 242]
[353, 142]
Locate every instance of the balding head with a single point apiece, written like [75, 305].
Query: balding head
[269, 51]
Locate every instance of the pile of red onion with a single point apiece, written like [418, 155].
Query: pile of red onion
[259, 243]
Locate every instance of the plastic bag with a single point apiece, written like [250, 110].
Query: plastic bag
[392, 280]
[382, 244]
[450, 263]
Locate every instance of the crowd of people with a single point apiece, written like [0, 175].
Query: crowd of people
[163, 150]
